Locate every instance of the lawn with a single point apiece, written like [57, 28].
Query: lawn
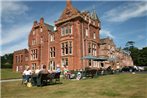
[9, 74]
[108, 86]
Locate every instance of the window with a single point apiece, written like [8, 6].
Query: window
[52, 52]
[94, 50]
[86, 32]
[33, 66]
[40, 29]
[33, 42]
[94, 35]
[66, 30]
[89, 48]
[62, 49]
[64, 62]
[52, 38]
[98, 24]
[34, 55]
[70, 29]
[34, 32]
[52, 65]
[66, 48]
[70, 47]
[62, 31]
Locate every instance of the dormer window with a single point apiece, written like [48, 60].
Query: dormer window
[40, 29]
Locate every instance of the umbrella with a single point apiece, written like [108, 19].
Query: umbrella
[101, 59]
[89, 57]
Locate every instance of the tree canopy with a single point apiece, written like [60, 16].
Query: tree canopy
[139, 56]
[7, 61]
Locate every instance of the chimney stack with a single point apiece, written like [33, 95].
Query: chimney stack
[41, 20]
[35, 23]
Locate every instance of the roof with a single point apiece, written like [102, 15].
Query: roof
[107, 41]
[50, 27]
[94, 15]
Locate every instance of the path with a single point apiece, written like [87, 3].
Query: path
[10, 80]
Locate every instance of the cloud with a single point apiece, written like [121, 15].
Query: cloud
[10, 38]
[12, 9]
[106, 33]
[15, 33]
[127, 11]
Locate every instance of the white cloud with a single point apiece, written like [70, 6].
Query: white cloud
[106, 33]
[15, 33]
[127, 11]
[12, 9]
[10, 36]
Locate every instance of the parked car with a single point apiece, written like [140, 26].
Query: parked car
[128, 69]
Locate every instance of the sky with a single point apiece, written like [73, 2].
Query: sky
[120, 20]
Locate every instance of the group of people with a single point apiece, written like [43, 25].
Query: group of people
[28, 73]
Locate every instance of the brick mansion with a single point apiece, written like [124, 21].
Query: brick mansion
[74, 36]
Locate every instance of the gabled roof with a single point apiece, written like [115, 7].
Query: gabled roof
[68, 11]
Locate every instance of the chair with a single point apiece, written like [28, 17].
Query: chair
[42, 79]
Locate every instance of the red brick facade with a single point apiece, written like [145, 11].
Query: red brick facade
[75, 32]
[76, 35]
[117, 57]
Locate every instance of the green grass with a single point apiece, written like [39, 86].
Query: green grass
[109, 86]
[8, 74]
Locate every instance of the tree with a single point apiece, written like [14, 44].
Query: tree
[143, 57]
[139, 56]
[129, 45]
[7, 61]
